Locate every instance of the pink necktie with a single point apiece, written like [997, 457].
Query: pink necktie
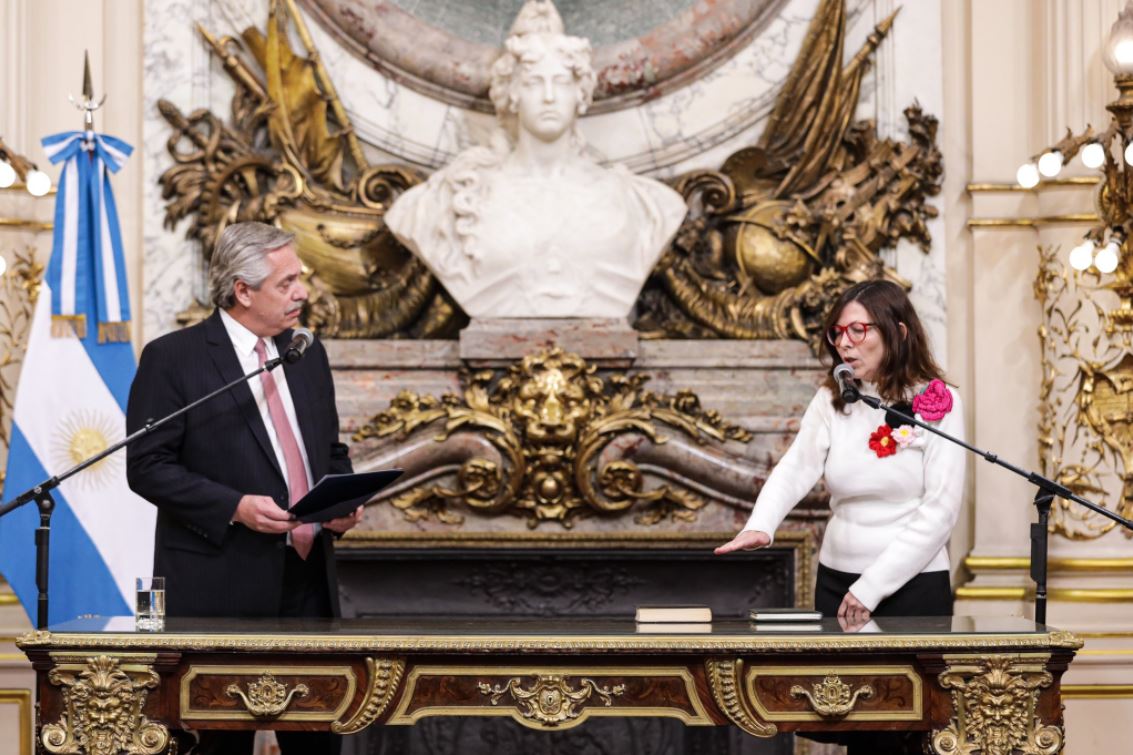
[303, 536]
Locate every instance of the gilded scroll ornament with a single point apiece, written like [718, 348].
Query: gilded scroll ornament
[551, 700]
[102, 711]
[266, 697]
[19, 290]
[773, 236]
[784, 226]
[995, 704]
[546, 420]
[724, 681]
[385, 679]
[832, 697]
[1086, 397]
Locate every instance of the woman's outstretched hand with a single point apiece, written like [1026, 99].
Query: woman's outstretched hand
[745, 541]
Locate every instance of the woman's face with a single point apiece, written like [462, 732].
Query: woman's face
[547, 94]
[864, 355]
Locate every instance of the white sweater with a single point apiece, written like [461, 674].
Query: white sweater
[890, 517]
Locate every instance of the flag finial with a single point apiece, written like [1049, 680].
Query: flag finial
[87, 104]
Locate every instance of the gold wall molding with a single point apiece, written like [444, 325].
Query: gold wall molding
[23, 223]
[1054, 594]
[22, 699]
[1023, 563]
[1033, 222]
[1097, 691]
[980, 187]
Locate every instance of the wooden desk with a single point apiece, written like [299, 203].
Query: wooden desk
[971, 684]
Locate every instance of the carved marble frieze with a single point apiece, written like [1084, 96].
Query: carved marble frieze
[772, 236]
[550, 440]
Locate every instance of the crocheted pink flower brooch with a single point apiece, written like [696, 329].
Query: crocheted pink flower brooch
[930, 405]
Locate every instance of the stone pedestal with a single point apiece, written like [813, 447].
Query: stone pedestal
[608, 342]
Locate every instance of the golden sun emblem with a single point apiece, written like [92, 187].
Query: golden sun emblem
[82, 435]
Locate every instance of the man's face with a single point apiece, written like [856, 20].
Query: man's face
[547, 94]
[275, 306]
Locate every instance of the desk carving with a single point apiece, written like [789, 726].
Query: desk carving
[996, 705]
[965, 688]
[551, 700]
[266, 697]
[832, 697]
[102, 710]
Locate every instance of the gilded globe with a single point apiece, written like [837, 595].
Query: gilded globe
[773, 264]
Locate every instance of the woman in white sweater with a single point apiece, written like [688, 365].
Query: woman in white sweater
[895, 490]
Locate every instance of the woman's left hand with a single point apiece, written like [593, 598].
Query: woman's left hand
[852, 611]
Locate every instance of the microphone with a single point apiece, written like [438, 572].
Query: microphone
[844, 376]
[299, 343]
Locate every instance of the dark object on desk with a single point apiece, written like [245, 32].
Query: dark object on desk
[338, 494]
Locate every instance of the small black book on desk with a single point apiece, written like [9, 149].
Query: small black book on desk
[339, 494]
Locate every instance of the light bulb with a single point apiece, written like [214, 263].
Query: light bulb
[1050, 163]
[1129, 154]
[1082, 256]
[1106, 259]
[3, 265]
[1093, 155]
[7, 174]
[1028, 176]
[39, 183]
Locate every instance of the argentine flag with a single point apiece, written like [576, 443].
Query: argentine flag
[71, 403]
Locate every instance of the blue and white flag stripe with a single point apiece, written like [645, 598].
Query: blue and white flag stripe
[86, 219]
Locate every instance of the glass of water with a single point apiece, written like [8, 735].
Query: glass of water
[150, 615]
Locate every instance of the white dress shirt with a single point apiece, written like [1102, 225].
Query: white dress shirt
[244, 342]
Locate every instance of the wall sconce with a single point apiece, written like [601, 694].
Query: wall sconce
[1106, 247]
[13, 166]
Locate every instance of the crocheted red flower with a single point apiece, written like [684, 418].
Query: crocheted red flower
[882, 442]
[933, 402]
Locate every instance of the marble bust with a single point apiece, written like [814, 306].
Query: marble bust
[530, 226]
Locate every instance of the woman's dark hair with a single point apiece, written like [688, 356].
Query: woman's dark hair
[908, 361]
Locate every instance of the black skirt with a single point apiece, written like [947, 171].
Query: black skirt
[927, 594]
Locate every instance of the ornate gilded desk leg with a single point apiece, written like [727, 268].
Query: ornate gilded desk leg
[102, 710]
[385, 676]
[725, 679]
[995, 702]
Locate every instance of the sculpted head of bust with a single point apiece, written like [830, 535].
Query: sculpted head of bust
[530, 225]
[543, 80]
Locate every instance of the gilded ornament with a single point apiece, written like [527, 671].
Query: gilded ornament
[724, 681]
[1086, 397]
[385, 679]
[266, 697]
[19, 290]
[551, 700]
[995, 702]
[102, 711]
[548, 419]
[832, 698]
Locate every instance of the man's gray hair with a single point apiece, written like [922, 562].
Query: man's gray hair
[241, 254]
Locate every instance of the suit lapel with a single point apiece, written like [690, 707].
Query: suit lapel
[301, 397]
[224, 357]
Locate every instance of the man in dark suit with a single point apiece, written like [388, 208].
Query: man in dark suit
[224, 474]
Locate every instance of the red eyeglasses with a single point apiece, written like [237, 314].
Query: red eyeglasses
[855, 331]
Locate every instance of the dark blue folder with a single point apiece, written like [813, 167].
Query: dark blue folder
[339, 494]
